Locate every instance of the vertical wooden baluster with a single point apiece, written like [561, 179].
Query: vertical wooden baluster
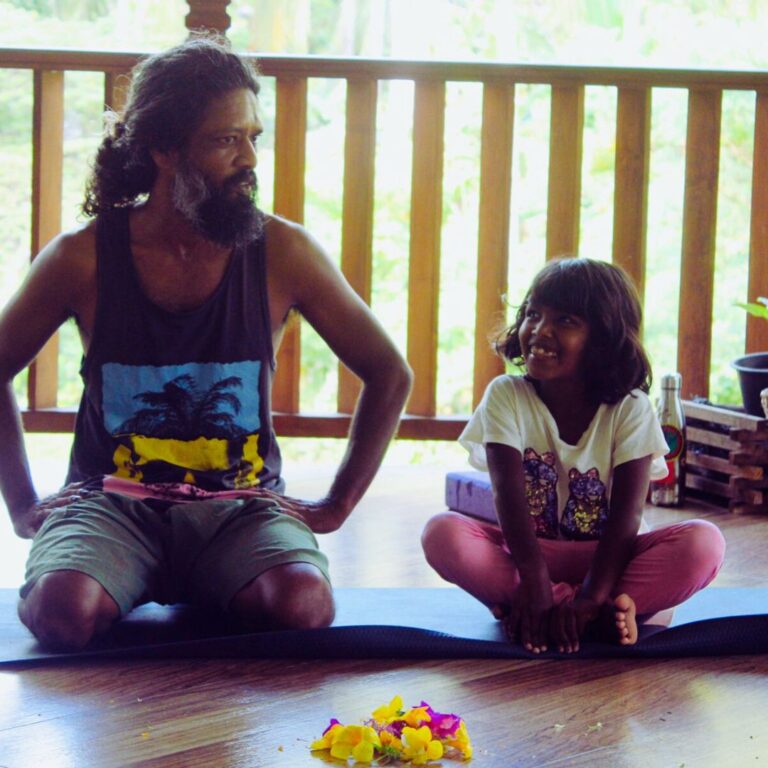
[757, 328]
[208, 14]
[565, 149]
[357, 216]
[702, 156]
[630, 200]
[424, 257]
[290, 152]
[47, 165]
[493, 230]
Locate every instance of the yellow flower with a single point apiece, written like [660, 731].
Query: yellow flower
[356, 741]
[327, 739]
[390, 744]
[460, 740]
[417, 716]
[419, 747]
[386, 713]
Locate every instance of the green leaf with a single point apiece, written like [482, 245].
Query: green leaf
[755, 309]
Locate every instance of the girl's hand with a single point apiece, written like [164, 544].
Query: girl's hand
[568, 621]
[528, 616]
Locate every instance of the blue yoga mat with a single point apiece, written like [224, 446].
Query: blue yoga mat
[397, 623]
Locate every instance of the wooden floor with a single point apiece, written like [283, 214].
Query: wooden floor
[189, 714]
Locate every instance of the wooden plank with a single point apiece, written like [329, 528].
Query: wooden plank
[702, 155]
[53, 420]
[493, 228]
[337, 425]
[565, 150]
[424, 256]
[630, 199]
[706, 437]
[726, 416]
[276, 65]
[47, 173]
[757, 328]
[290, 160]
[717, 464]
[357, 215]
[116, 86]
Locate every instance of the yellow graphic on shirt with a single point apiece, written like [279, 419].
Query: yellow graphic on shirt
[203, 454]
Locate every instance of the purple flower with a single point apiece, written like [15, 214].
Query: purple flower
[443, 726]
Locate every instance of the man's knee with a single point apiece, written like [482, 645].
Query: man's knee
[291, 596]
[66, 609]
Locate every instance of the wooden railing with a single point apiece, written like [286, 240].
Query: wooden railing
[567, 84]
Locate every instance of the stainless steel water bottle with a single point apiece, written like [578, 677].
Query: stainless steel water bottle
[670, 492]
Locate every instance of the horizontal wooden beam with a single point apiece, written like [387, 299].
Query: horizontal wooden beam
[286, 424]
[322, 66]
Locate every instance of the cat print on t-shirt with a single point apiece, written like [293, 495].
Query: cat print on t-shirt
[586, 509]
[541, 491]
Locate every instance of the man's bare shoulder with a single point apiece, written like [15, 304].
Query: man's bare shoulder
[73, 249]
[287, 239]
[66, 268]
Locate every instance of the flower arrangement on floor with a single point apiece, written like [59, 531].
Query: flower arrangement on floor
[416, 736]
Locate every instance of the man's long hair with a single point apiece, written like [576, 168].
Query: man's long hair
[169, 94]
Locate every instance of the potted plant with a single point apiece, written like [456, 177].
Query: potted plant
[753, 368]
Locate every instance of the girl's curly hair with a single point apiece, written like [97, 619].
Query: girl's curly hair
[615, 361]
[168, 96]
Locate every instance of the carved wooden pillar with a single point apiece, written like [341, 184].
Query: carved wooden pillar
[208, 14]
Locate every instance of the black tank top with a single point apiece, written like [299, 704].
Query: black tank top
[177, 398]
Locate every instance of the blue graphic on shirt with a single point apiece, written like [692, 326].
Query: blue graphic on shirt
[191, 423]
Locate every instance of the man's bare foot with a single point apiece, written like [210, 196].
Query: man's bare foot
[625, 615]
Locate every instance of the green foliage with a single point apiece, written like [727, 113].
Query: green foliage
[755, 309]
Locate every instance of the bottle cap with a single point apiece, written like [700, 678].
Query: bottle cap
[671, 381]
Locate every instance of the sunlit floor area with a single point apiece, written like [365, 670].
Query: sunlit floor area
[220, 713]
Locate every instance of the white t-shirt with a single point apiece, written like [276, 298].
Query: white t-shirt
[567, 487]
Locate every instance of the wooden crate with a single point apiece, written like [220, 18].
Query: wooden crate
[726, 457]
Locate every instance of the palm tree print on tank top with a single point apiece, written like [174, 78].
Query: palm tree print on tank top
[193, 423]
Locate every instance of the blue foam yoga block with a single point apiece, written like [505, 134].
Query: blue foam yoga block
[470, 493]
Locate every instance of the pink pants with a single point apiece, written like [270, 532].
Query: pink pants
[668, 564]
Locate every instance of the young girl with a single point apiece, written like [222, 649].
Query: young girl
[571, 447]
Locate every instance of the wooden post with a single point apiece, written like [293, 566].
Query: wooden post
[357, 216]
[493, 230]
[757, 328]
[208, 14]
[565, 148]
[697, 279]
[630, 200]
[290, 153]
[47, 171]
[424, 259]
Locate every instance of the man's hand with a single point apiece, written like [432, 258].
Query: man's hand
[27, 522]
[569, 619]
[528, 616]
[323, 516]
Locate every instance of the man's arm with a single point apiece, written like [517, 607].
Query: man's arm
[303, 277]
[46, 298]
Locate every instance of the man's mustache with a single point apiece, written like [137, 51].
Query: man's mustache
[242, 177]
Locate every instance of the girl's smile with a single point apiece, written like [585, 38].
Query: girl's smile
[553, 343]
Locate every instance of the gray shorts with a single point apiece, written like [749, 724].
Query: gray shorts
[201, 552]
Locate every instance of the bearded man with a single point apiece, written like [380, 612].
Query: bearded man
[181, 287]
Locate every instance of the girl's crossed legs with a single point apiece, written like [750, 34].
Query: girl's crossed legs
[668, 565]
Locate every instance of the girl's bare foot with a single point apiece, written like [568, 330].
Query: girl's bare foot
[625, 615]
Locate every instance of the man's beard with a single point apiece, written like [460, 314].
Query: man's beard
[222, 214]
